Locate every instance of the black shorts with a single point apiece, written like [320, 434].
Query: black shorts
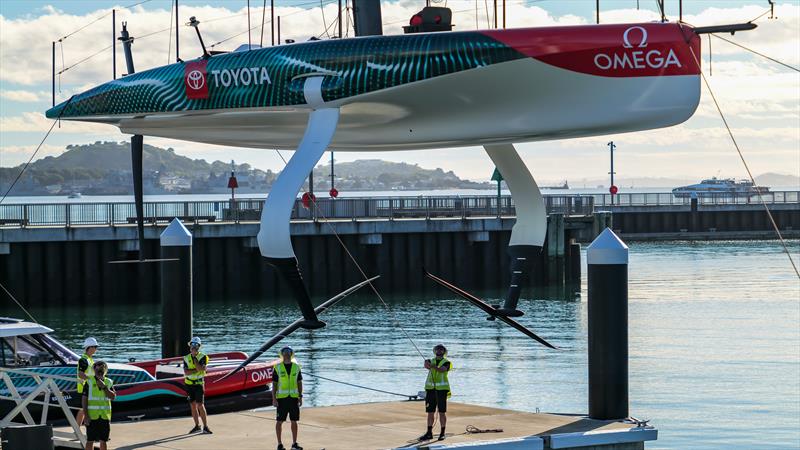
[98, 430]
[195, 392]
[288, 407]
[435, 400]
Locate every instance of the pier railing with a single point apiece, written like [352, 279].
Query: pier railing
[348, 208]
[669, 199]
[249, 210]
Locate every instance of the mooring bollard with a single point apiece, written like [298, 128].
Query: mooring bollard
[607, 259]
[176, 289]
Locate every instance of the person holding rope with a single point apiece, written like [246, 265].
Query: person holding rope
[287, 394]
[437, 390]
[98, 392]
[194, 371]
[85, 370]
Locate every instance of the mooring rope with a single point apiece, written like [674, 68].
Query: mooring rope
[358, 266]
[746, 166]
[757, 53]
[410, 397]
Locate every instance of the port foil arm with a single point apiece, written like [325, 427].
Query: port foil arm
[530, 230]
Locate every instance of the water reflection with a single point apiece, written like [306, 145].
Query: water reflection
[714, 344]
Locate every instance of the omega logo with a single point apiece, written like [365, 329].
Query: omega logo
[626, 39]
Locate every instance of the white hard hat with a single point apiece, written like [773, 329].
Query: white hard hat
[196, 341]
[90, 342]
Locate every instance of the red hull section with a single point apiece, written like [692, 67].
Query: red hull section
[641, 50]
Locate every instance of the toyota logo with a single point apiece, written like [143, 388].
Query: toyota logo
[195, 80]
[626, 39]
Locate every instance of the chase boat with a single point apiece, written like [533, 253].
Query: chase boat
[145, 389]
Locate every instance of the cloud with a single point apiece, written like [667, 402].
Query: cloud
[36, 122]
[13, 155]
[24, 96]
[760, 99]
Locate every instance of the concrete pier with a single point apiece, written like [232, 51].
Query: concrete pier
[389, 425]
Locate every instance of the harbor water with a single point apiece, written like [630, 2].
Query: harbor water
[714, 344]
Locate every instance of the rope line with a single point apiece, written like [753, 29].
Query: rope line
[746, 166]
[19, 175]
[38, 147]
[757, 53]
[761, 15]
[358, 266]
[18, 303]
[100, 18]
[360, 386]
[85, 59]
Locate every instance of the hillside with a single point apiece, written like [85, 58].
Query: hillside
[104, 168]
[369, 174]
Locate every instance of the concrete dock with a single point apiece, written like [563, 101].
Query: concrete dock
[387, 425]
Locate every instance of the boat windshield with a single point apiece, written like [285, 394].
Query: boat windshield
[34, 350]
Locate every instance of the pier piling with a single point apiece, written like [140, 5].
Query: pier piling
[176, 289]
[607, 259]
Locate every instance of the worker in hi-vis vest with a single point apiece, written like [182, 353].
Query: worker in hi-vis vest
[194, 374]
[437, 389]
[85, 369]
[287, 394]
[98, 392]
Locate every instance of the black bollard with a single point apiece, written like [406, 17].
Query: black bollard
[176, 289]
[607, 259]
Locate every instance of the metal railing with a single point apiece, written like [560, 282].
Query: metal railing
[38, 391]
[348, 208]
[249, 210]
[668, 199]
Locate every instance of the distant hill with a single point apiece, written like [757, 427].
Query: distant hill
[105, 168]
[777, 179]
[105, 156]
[369, 174]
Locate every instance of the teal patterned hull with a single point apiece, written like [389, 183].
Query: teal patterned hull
[273, 77]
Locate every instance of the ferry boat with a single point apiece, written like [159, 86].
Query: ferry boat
[74, 195]
[719, 187]
[145, 389]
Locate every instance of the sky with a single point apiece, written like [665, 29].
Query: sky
[760, 99]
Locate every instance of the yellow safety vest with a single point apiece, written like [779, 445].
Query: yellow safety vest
[197, 377]
[89, 372]
[99, 404]
[438, 380]
[287, 382]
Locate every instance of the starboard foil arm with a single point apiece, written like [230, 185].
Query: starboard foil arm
[297, 324]
[489, 309]
[274, 238]
[530, 229]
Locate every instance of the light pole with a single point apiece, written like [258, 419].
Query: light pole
[613, 188]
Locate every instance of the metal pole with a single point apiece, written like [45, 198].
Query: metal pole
[680, 10]
[263, 15]
[612, 146]
[176, 289]
[499, 197]
[495, 14]
[177, 46]
[340, 36]
[332, 176]
[504, 14]
[279, 30]
[54, 73]
[114, 43]
[249, 39]
[272, 21]
[597, 10]
[607, 259]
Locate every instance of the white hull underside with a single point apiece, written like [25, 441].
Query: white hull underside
[518, 101]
